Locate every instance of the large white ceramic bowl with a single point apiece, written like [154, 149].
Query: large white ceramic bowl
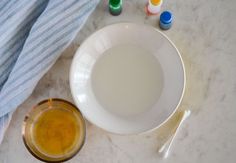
[140, 35]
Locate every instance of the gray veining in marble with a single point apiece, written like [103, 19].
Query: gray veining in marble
[205, 34]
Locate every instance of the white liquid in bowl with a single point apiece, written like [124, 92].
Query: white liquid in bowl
[127, 80]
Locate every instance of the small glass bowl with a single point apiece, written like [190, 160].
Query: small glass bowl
[31, 119]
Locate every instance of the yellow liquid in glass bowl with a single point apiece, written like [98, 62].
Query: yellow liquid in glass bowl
[54, 130]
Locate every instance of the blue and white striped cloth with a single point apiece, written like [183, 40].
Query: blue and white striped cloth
[33, 34]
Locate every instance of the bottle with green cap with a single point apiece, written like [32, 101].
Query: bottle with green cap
[115, 7]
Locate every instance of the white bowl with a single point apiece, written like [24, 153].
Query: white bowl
[139, 35]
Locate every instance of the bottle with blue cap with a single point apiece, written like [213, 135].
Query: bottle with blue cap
[165, 20]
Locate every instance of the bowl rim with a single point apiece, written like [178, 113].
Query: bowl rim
[23, 132]
[125, 23]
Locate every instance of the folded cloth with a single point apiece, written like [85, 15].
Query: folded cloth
[33, 34]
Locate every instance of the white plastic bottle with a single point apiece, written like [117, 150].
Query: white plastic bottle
[154, 6]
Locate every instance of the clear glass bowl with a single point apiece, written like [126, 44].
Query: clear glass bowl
[29, 133]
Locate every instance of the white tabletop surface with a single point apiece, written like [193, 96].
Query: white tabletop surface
[205, 34]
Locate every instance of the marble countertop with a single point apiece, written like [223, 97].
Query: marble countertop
[205, 34]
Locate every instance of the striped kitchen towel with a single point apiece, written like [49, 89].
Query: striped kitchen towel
[33, 34]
